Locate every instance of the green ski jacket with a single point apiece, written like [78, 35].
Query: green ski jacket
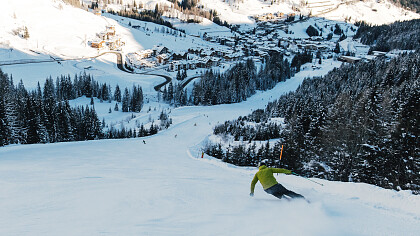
[266, 178]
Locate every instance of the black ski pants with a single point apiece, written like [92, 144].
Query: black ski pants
[278, 191]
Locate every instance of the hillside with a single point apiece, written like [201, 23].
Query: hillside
[163, 184]
[126, 187]
[373, 106]
[241, 12]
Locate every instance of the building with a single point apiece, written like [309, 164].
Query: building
[110, 30]
[378, 53]
[145, 53]
[160, 50]
[114, 43]
[97, 44]
[349, 59]
[162, 58]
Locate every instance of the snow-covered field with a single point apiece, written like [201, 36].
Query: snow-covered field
[163, 187]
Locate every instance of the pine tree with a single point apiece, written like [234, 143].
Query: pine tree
[125, 101]
[117, 94]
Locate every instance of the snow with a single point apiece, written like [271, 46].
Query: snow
[371, 11]
[163, 187]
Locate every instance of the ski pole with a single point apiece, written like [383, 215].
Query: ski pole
[281, 153]
[307, 178]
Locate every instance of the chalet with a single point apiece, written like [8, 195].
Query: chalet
[97, 44]
[378, 53]
[102, 35]
[232, 56]
[349, 59]
[162, 58]
[110, 31]
[280, 14]
[230, 43]
[173, 66]
[192, 64]
[202, 63]
[209, 63]
[179, 56]
[145, 53]
[205, 53]
[369, 57]
[184, 65]
[196, 51]
[310, 46]
[114, 43]
[160, 50]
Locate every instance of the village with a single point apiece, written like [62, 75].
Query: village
[274, 33]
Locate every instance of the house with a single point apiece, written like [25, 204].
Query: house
[230, 43]
[179, 56]
[110, 30]
[162, 58]
[349, 59]
[97, 44]
[102, 35]
[378, 53]
[173, 66]
[145, 53]
[196, 51]
[192, 64]
[114, 43]
[160, 50]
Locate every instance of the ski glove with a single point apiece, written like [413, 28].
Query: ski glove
[251, 194]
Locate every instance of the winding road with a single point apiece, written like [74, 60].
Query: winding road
[120, 65]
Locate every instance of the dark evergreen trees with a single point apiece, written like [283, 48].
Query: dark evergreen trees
[45, 115]
[399, 35]
[358, 123]
[312, 31]
[236, 84]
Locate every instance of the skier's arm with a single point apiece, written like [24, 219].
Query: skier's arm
[281, 170]
[253, 183]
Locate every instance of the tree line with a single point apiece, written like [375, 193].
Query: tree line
[235, 85]
[45, 115]
[359, 123]
[403, 35]
[154, 16]
[413, 5]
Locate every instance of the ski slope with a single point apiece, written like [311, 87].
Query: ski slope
[163, 187]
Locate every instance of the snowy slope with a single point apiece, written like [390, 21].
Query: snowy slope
[54, 28]
[242, 11]
[126, 187]
[371, 11]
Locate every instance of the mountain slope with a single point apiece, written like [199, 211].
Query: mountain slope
[126, 187]
[374, 12]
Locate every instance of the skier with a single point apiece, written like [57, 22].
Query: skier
[270, 184]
